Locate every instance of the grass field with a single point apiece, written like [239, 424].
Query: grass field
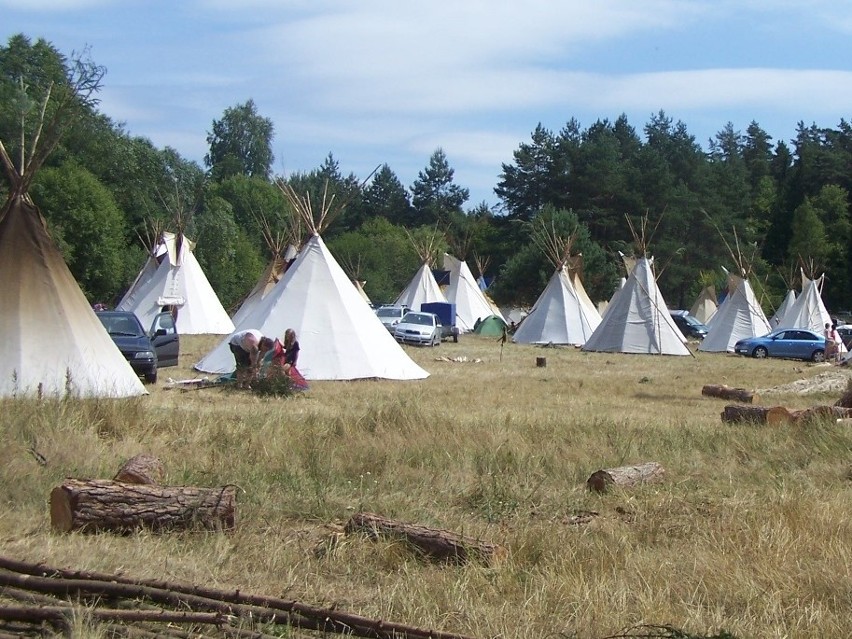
[750, 533]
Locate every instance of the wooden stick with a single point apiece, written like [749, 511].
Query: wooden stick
[440, 545]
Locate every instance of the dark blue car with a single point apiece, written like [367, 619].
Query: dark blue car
[145, 351]
[792, 343]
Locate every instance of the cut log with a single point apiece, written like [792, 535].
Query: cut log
[736, 413]
[626, 476]
[726, 392]
[141, 469]
[832, 413]
[439, 545]
[102, 505]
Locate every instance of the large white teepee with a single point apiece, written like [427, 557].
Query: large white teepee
[465, 293]
[340, 336]
[705, 305]
[637, 319]
[53, 343]
[271, 275]
[738, 317]
[808, 311]
[422, 289]
[180, 283]
[558, 316]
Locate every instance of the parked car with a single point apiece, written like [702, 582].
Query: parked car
[391, 315]
[423, 329]
[793, 343]
[145, 351]
[689, 325]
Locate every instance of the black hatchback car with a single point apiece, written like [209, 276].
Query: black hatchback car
[145, 351]
[689, 325]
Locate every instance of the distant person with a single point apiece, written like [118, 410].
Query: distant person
[248, 347]
[832, 349]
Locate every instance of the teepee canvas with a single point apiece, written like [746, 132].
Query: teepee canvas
[53, 343]
[738, 317]
[637, 319]
[787, 302]
[271, 275]
[156, 248]
[422, 289]
[563, 313]
[705, 304]
[180, 283]
[340, 336]
[808, 311]
[465, 293]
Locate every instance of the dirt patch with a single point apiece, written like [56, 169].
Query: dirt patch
[833, 381]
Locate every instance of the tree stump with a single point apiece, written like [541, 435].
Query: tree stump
[626, 476]
[96, 505]
[141, 469]
[726, 392]
[439, 545]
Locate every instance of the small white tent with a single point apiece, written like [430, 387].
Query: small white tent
[341, 338]
[563, 313]
[705, 304]
[422, 289]
[53, 343]
[808, 311]
[637, 319]
[180, 283]
[465, 293]
[788, 301]
[738, 317]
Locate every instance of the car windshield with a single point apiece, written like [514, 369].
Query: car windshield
[121, 325]
[389, 312]
[418, 318]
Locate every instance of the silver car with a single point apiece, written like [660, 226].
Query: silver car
[390, 316]
[423, 329]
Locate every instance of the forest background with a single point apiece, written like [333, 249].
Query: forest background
[772, 205]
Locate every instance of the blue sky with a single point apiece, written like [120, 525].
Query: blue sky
[389, 81]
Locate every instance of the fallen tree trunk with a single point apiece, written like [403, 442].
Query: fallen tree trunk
[833, 413]
[141, 469]
[726, 392]
[736, 413]
[441, 545]
[102, 505]
[626, 476]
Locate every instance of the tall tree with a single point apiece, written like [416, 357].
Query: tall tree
[386, 197]
[434, 194]
[240, 144]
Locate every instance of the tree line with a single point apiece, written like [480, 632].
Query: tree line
[747, 201]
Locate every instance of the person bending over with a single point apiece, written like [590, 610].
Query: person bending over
[248, 347]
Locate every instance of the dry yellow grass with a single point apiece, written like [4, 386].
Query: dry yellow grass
[750, 532]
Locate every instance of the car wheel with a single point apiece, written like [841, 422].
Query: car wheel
[818, 356]
[151, 376]
[760, 352]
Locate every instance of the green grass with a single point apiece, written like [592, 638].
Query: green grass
[748, 535]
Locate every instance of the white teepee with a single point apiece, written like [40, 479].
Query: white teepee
[808, 311]
[339, 334]
[156, 249]
[738, 317]
[180, 283]
[465, 293]
[563, 313]
[558, 316]
[788, 301]
[705, 304]
[53, 343]
[422, 289]
[637, 319]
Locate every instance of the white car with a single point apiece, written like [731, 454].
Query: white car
[423, 329]
[390, 316]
